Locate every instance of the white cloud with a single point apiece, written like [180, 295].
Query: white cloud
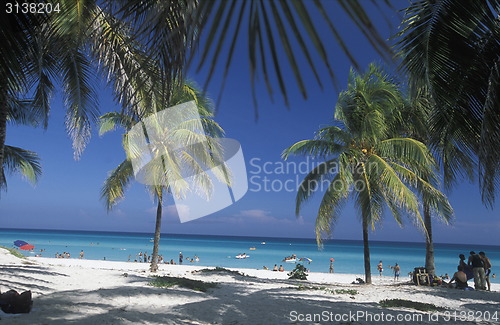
[255, 214]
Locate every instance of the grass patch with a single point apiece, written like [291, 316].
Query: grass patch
[351, 292]
[220, 269]
[410, 304]
[301, 287]
[169, 281]
[14, 252]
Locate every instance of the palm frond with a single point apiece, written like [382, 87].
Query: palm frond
[409, 152]
[24, 162]
[117, 182]
[393, 188]
[331, 205]
[316, 148]
[315, 180]
[452, 47]
[110, 121]
[286, 28]
[435, 199]
[80, 98]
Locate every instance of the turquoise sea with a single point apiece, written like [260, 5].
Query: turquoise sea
[221, 250]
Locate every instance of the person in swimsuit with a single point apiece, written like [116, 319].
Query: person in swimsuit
[380, 268]
[397, 270]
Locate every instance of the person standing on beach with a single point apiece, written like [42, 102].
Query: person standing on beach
[487, 269]
[81, 254]
[466, 268]
[380, 268]
[180, 258]
[331, 266]
[397, 270]
[478, 270]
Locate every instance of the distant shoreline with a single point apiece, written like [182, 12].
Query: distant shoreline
[263, 238]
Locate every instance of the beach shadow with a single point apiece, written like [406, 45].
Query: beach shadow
[27, 277]
[35, 269]
[237, 304]
[110, 306]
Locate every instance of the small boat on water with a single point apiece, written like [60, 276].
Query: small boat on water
[242, 256]
[252, 248]
[290, 259]
[263, 243]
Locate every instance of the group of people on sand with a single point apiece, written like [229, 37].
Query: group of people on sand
[63, 255]
[478, 266]
[145, 258]
[396, 269]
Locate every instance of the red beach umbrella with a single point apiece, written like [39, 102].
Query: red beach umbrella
[23, 245]
[27, 247]
[332, 259]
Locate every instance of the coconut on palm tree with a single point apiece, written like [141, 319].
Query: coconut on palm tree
[175, 151]
[367, 161]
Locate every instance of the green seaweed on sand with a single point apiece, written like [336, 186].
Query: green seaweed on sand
[220, 269]
[169, 281]
[351, 292]
[410, 304]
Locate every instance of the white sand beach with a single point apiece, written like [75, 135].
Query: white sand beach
[73, 291]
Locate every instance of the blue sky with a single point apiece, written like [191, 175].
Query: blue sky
[67, 196]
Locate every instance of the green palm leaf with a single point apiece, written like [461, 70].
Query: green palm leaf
[117, 182]
[24, 162]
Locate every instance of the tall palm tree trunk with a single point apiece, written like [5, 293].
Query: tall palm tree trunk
[429, 245]
[156, 243]
[368, 273]
[3, 132]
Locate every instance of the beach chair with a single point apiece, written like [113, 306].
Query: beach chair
[421, 276]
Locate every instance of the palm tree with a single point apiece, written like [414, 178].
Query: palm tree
[172, 162]
[365, 162]
[70, 47]
[122, 37]
[451, 48]
[416, 125]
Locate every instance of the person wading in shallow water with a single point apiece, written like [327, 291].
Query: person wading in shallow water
[380, 268]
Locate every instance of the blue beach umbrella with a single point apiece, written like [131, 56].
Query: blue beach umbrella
[20, 243]
[23, 245]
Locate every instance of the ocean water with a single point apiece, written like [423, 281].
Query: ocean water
[221, 250]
